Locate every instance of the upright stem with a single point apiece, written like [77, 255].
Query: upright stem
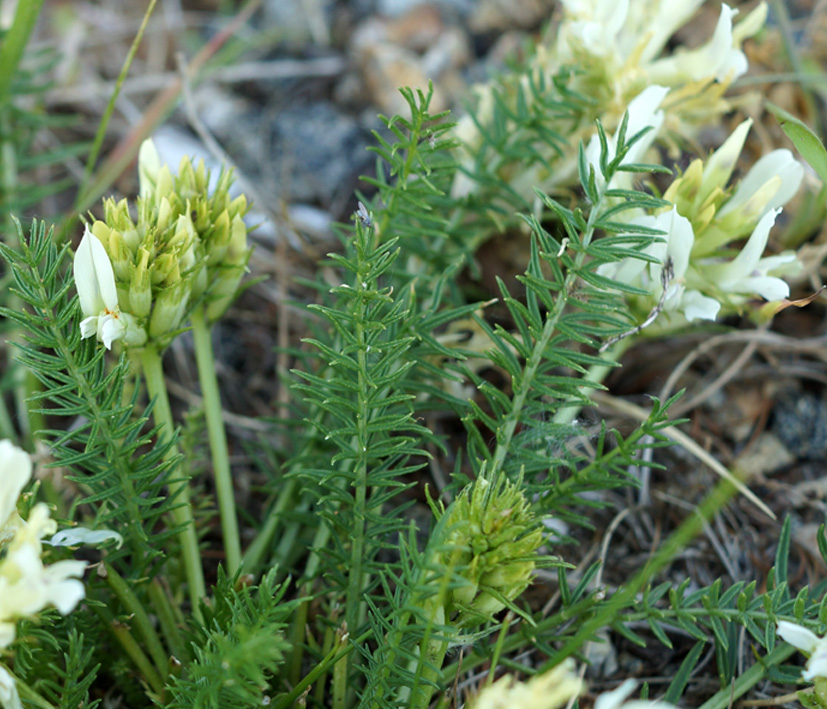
[179, 488]
[140, 619]
[218, 439]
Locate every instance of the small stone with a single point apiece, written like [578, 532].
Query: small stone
[800, 422]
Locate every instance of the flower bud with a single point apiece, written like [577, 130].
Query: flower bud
[229, 274]
[121, 256]
[140, 289]
[217, 239]
[149, 165]
[168, 313]
[494, 537]
[164, 270]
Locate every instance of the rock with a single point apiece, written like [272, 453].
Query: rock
[409, 51]
[320, 151]
[800, 422]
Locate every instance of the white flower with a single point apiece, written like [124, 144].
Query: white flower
[9, 698]
[98, 294]
[769, 184]
[676, 246]
[615, 699]
[810, 644]
[720, 58]
[15, 472]
[719, 166]
[26, 585]
[748, 273]
[628, 36]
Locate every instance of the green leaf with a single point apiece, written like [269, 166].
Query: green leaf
[807, 143]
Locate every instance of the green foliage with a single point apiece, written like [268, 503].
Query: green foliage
[389, 586]
[119, 465]
[239, 648]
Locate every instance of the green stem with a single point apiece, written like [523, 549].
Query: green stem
[505, 434]
[168, 621]
[140, 618]
[14, 43]
[254, 555]
[132, 648]
[218, 439]
[429, 669]
[178, 488]
[340, 677]
[728, 695]
[339, 651]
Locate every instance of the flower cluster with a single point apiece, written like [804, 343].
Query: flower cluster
[492, 542]
[616, 51]
[27, 586]
[138, 280]
[708, 277]
[552, 690]
[618, 48]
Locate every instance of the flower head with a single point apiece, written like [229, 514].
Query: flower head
[550, 690]
[706, 216]
[492, 537]
[27, 586]
[616, 49]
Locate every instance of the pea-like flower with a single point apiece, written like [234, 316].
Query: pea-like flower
[810, 644]
[27, 586]
[550, 690]
[98, 294]
[709, 276]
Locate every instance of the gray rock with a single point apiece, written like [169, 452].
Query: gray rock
[320, 151]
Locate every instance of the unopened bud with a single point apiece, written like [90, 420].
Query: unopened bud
[140, 289]
[229, 274]
[168, 313]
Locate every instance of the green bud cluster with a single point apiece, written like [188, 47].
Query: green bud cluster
[188, 245]
[491, 544]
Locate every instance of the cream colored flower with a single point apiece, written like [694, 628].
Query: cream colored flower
[98, 294]
[810, 644]
[15, 473]
[748, 273]
[9, 698]
[550, 690]
[27, 586]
